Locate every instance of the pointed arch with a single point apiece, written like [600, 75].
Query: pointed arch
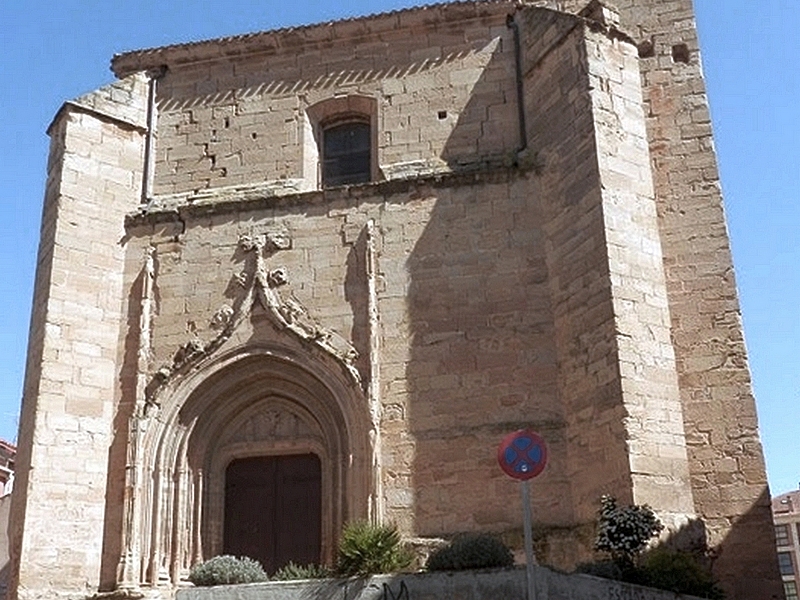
[253, 400]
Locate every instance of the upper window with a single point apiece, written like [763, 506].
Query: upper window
[782, 535]
[346, 153]
[785, 563]
[790, 590]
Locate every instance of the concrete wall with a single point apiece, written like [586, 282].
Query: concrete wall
[465, 585]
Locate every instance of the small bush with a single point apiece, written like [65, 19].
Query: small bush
[293, 571]
[679, 572]
[624, 531]
[472, 551]
[225, 570]
[368, 549]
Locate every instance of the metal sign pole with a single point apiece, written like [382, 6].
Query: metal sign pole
[523, 456]
[530, 559]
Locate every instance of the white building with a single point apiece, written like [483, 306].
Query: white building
[786, 514]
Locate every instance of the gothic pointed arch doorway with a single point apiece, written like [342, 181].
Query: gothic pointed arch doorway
[259, 431]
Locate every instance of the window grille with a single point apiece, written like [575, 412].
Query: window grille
[790, 590]
[346, 153]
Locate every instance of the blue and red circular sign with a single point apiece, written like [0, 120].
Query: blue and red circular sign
[522, 454]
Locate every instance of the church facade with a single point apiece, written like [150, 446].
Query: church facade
[291, 279]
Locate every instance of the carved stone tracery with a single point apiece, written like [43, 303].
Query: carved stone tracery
[260, 285]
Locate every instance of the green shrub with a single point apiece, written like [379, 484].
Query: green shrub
[293, 571]
[223, 570]
[624, 531]
[368, 549]
[679, 572]
[471, 551]
[662, 568]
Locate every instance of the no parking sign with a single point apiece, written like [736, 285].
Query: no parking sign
[523, 455]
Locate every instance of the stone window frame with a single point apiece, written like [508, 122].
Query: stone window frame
[331, 112]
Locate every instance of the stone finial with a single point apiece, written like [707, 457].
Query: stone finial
[248, 243]
[278, 277]
[279, 239]
[222, 318]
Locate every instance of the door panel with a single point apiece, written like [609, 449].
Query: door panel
[273, 509]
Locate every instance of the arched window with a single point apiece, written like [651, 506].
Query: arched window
[340, 142]
[346, 153]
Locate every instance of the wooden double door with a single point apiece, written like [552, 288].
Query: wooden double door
[273, 509]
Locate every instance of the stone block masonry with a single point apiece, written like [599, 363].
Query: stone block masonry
[71, 388]
[535, 239]
[239, 122]
[713, 376]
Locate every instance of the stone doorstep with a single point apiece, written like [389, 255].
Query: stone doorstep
[506, 584]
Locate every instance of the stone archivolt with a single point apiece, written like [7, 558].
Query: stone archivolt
[250, 401]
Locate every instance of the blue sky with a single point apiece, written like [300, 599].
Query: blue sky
[51, 52]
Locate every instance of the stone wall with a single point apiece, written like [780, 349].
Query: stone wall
[466, 289]
[94, 178]
[464, 585]
[607, 282]
[452, 319]
[445, 96]
[5, 566]
[726, 462]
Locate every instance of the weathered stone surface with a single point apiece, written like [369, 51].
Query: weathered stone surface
[575, 279]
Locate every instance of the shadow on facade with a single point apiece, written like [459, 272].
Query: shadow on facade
[738, 561]
[483, 360]
[483, 363]
[118, 451]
